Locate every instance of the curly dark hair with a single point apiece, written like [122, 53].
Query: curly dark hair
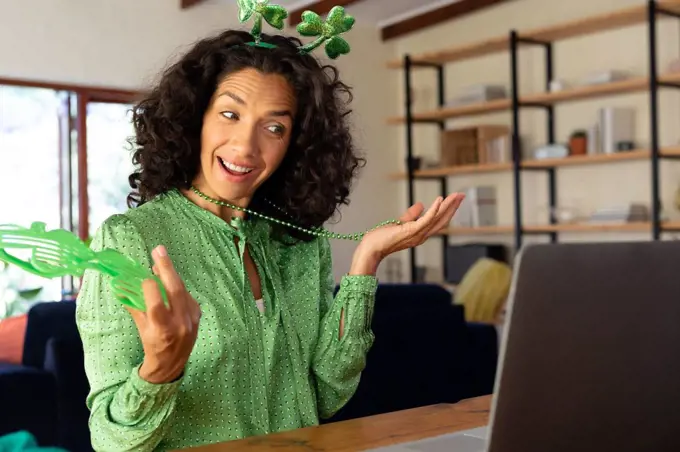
[315, 176]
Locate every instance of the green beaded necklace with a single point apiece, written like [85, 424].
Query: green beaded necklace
[319, 232]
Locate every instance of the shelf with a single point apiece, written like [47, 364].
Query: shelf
[672, 152]
[644, 226]
[456, 112]
[569, 227]
[671, 226]
[460, 53]
[623, 156]
[455, 170]
[630, 85]
[575, 160]
[590, 227]
[482, 230]
[578, 27]
[538, 229]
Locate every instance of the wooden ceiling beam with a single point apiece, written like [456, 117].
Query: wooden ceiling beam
[320, 7]
[436, 16]
[184, 4]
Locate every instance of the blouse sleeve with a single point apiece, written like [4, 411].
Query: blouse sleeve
[339, 361]
[126, 412]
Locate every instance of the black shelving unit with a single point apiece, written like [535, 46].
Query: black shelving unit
[410, 164]
[516, 41]
[653, 11]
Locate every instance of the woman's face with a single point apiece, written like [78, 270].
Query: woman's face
[246, 132]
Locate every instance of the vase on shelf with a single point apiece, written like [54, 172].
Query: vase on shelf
[578, 143]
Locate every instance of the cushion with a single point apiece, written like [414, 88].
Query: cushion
[12, 335]
[484, 289]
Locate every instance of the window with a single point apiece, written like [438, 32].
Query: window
[64, 161]
[29, 156]
[30, 170]
[109, 160]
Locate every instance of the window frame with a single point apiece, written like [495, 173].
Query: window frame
[73, 118]
[77, 122]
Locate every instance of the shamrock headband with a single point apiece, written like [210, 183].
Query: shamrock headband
[327, 31]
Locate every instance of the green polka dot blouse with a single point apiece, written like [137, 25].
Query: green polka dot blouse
[250, 372]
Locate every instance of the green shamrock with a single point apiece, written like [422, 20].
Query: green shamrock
[336, 23]
[274, 15]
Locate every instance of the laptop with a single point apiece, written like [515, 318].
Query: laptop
[590, 356]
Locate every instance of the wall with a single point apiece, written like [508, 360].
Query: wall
[583, 188]
[125, 43]
[372, 199]
[122, 44]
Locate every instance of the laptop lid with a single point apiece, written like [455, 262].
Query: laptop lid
[591, 353]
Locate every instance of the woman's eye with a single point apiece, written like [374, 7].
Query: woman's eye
[229, 115]
[276, 129]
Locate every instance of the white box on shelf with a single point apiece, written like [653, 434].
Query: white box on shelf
[478, 93]
[597, 78]
[478, 209]
[616, 125]
[630, 212]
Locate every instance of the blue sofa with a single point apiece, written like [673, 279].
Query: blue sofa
[46, 394]
[424, 353]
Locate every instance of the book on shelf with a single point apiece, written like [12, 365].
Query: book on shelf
[479, 209]
[497, 150]
[475, 145]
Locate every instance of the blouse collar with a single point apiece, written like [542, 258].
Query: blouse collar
[247, 228]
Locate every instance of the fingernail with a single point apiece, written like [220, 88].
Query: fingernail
[160, 251]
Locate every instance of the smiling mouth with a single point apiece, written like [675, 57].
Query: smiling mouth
[234, 169]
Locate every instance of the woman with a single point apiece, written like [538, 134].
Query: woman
[251, 341]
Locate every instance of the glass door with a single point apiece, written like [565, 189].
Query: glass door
[65, 162]
[109, 160]
[30, 180]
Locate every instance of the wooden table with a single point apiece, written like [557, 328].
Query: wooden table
[368, 432]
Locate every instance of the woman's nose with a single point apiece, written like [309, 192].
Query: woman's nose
[244, 140]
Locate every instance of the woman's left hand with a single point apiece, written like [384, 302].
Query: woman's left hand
[414, 230]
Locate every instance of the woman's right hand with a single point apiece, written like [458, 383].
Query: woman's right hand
[168, 334]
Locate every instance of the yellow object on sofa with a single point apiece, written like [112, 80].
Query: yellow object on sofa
[483, 290]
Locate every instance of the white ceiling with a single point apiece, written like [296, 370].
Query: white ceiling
[376, 12]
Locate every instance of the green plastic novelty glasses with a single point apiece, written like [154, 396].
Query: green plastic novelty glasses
[59, 253]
